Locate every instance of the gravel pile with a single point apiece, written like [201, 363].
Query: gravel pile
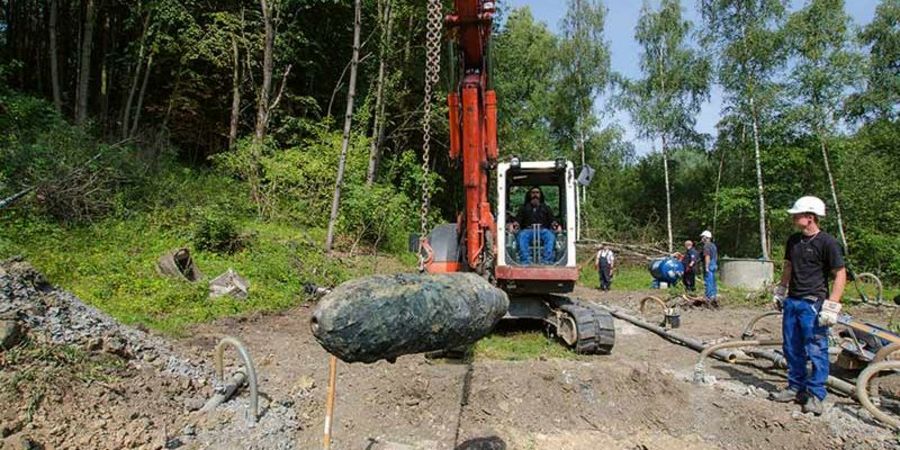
[27, 299]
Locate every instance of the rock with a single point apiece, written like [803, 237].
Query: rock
[304, 385]
[10, 334]
[194, 404]
[19, 443]
[9, 428]
[116, 345]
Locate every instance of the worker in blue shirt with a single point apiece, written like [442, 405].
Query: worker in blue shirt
[811, 257]
[711, 263]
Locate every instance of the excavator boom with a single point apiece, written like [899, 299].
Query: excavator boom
[473, 126]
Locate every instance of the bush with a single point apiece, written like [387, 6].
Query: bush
[75, 178]
[218, 234]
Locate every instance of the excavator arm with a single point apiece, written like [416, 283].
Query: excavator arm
[473, 125]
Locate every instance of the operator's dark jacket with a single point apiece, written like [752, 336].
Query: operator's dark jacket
[530, 215]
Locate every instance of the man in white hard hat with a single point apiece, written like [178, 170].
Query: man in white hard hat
[810, 258]
[711, 262]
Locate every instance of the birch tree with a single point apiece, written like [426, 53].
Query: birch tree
[826, 67]
[348, 119]
[665, 102]
[386, 22]
[585, 74]
[748, 38]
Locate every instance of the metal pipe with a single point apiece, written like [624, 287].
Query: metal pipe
[225, 392]
[882, 354]
[862, 391]
[748, 329]
[688, 342]
[836, 384]
[329, 401]
[644, 301]
[700, 370]
[248, 366]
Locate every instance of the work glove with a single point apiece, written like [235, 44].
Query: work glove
[828, 316]
[778, 297]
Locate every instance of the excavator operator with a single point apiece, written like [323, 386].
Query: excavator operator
[537, 223]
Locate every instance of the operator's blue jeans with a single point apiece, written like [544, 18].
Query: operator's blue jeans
[548, 239]
[805, 340]
[709, 278]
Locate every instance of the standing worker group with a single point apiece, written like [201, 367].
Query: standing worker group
[604, 264]
[810, 258]
[690, 263]
[711, 263]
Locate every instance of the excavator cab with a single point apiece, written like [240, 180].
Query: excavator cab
[523, 264]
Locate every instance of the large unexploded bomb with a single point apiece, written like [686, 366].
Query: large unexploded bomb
[386, 316]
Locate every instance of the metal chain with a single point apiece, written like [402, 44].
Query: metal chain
[432, 76]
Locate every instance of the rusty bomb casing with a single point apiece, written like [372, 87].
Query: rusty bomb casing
[386, 316]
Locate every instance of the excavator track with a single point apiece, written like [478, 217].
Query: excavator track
[588, 330]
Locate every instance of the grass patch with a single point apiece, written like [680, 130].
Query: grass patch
[111, 264]
[625, 278]
[522, 345]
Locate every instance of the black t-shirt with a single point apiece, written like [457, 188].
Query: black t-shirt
[812, 261]
[530, 215]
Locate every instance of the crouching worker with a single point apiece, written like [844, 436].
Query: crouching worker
[811, 257]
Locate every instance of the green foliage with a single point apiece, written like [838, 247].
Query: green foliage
[218, 234]
[583, 74]
[110, 264]
[826, 65]
[881, 96]
[75, 178]
[664, 104]
[521, 52]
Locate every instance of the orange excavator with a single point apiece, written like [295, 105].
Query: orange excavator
[533, 261]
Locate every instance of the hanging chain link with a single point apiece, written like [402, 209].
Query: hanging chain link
[432, 76]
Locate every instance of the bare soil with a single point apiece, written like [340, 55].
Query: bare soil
[640, 397]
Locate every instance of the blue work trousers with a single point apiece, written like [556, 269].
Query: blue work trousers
[710, 279]
[805, 340]
[547, 239]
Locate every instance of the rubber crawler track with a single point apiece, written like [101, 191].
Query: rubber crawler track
[596, 330]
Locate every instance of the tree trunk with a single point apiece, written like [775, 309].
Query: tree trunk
[583, 188]
[84, 73]
[126, 111]
[104, 73]
[834, 195]
[665, 152]
[235, 94]
[140, 102]
[378, 123]
[262, 104]
[336, 201]
[716, 198]
[54, 56]
[763, 235]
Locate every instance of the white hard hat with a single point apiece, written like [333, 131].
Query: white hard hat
[808, 204]
[706, 234]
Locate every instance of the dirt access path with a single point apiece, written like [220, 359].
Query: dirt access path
[640, 397]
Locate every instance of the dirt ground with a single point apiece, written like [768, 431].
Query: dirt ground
[640, 397]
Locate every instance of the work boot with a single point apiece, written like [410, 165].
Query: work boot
[787, 396]
[813, 405]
